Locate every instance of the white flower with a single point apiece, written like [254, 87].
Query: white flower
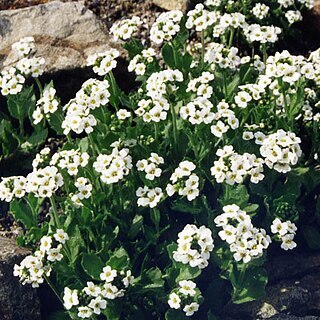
[174, 301]
[122, 114]
[70, 298]
[84, 312]
[128, 279]
[92, 290]
[287, 242]
[23, 47]
[97, 304]
[187, 287]
[61, 236]
[124, 29]
[246, 242]
[166, 26]
[190, 309]
[108, 274]
[109, 291]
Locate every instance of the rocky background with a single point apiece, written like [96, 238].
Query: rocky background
[65, 33]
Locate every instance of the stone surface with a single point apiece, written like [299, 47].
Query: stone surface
[65, 33]
[293, 292]
[17, 302]
[172, 4]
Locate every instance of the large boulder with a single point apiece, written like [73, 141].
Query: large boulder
[17, 302]
[65, 33]
[172, 4]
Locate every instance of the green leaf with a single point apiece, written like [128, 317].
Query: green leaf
[38, 137]
[22, 212]
[186, 207]
[172, 314]
[113, 312]
[119, 259]
[92, 265]
[153, 279]
[76, 243]
[187, 272]
[168, 55]
[55, 121]
[20, 104]
[235, 195]
[136, 226]
[133, 47]
[251, 286]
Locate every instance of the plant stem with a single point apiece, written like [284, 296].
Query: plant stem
[55, 212]
[114, 88]
[39, 86]
[202, 48]
[156, 134]
[242, 274]
[34, 213]
[232, 31]
[174, 123]
[50, 284]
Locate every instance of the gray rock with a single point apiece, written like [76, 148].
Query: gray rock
[65, 33]
[17, 302]
[291, 317]
[172, 4]
[293, 292]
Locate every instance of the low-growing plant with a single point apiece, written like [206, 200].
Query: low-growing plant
[163, 203]
[20, 131]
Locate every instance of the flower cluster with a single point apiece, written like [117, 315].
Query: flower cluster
[184, 181]
[93, 94]
[293, 16]
[217, 54]
[246, 242]
[140, 61]
[286, 232]
[152, 110]
[185, 297]
[149, 197]
[288, 67]
[84, 189]
[157, 83]
[23, 47]
[44, 182]
[46, 105]
[42, 158]
[234, 168]
[70, 160]
[200, 19]
[103, 62]
[227, 21]
[151, 166]
[34, 268]
[194, 246]
[198, 111]
[224, 120]
[260, 10]
[31, 66]
[201, 85]
[262, 34]
[166, 26]
[280, 150]
[125, 29]
[12, 187]
[11, 82]
[94, 297]
[113, 167]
